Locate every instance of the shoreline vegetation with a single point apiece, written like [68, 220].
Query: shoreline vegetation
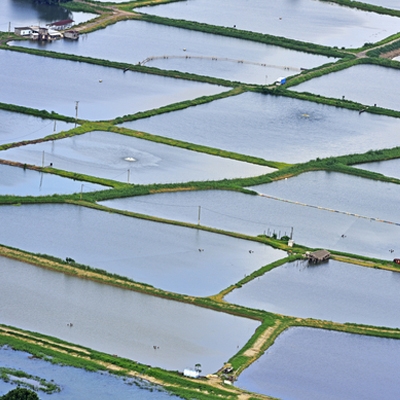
[272, 325]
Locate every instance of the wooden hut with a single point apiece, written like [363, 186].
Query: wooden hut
[318, 256]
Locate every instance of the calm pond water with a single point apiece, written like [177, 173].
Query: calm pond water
[15, 127]
[330, 291]
[388, 168]
[255, 215]
[339, 192]
[361, 83]
[26, 13]
[123, 158]
[19, 182]
[275, 128]
[161, 255]
[78, 384]
[306, 20]
[117, 321]
[306, 363]
[184, 49]
[117, 94]
[393, 4]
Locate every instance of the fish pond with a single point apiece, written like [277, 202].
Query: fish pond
[388, 167]
[360, 83]
[76, 383]
[275, 128]
[306, 363]
[16, 13]
[16, 127]
[17, 181]
[151, 330]
[332, 291]
[338, 192]
[129, 159]
[171, 48]
[169, 257]
[101, 92]
[392, 4]
[255, 215]
[306, 20]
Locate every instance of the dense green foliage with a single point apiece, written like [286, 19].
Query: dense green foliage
[20, 394]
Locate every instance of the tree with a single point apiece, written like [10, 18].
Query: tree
[20, 394]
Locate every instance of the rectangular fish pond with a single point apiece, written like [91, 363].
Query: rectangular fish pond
[306, 363]
[17, 181]
[306, 20]
[75, 383]
[331, 291]
[102, 92]
[151, 330]
[360, 83]
[16, 127]
[178, 49]
[275, 128]
[172, 258]
[257, 215]
[132, 160]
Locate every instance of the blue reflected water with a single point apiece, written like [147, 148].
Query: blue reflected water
[347, 83]
[275, 128]
[306, 363]
[129, 159]
[78, 384]
[102, 92]
[162, 255]
[330, 291]
[256, 215]
[339, 192]
[306, 20]
[182, 49]
[19, 182]
[388, 168]
[15, 127]
[148, 329]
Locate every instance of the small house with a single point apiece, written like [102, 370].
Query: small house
[318, 256]
[71, 34]
[23, 31]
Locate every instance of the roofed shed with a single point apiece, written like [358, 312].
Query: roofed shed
[318, 256]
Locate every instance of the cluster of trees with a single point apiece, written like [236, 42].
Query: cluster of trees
[20, 394]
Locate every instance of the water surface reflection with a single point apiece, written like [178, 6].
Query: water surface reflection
[78, 384]
[275, 128]
[187, 51]
[24, 182]
[306, 363]
[102, 92]
[169, 257]
[355, 84]
[256, 215]
[330, 291]
[15, 127]
[117, 321]
[129, 159]
[306, 20]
